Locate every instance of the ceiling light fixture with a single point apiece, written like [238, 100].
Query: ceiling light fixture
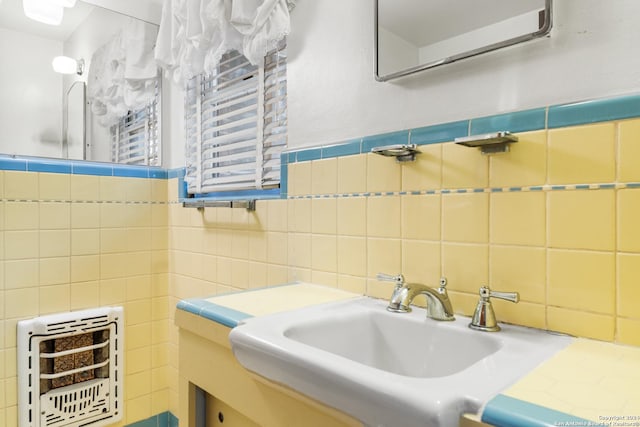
[64, 3]
[66, 65]
[43, 11]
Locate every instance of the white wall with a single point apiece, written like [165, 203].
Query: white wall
[333, 96]
[30, 95]
[399, 54]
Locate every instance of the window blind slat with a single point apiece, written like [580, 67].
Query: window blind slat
[240, 111]
[135, 138]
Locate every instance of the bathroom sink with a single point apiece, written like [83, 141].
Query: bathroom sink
[389, 369]
[407, 346]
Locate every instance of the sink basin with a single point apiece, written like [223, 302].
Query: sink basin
[393, 344]
[389, 369]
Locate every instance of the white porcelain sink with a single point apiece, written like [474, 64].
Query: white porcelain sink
[389, 369]
[395, 343]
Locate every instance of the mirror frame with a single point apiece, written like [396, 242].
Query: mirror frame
[545, 30]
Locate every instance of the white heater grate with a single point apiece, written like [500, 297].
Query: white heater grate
[70, 369]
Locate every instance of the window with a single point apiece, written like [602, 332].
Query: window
[135, 138]
[236, 124]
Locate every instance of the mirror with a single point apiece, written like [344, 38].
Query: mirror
[74, 122]
[415, 35]
[47, 114]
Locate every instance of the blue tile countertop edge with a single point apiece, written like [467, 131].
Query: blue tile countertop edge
[219, 314]
[505, 411]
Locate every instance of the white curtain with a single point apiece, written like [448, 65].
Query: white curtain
[194, 34]
[122, 73]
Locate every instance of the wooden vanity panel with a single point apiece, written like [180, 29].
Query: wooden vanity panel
[206, 360]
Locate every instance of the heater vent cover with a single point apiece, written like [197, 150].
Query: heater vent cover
[70, 369]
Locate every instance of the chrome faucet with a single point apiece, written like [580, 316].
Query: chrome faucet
[484, 318]
[438, 303]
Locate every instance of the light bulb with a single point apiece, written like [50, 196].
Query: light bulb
[65, 65]
[43, 11]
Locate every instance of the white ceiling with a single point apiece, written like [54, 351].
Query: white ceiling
[12, 17]
[423, 22]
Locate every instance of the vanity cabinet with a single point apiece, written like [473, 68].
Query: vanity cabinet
[234, 396]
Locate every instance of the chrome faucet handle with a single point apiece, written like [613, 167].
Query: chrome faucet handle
[485, 292]
[397, 279]
[484, 318]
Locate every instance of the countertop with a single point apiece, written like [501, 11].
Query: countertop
[588, 383]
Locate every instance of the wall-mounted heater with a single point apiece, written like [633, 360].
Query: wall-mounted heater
[70, 369]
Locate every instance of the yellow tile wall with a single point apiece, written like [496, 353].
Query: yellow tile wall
[65, 250]
[572, 254]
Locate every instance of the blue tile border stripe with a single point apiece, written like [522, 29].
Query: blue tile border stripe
[79, 167]
[571, 114]
[593, 111]
[568, 187]
[505, 411]
[556, 116]
[164, 419]
[521, 121]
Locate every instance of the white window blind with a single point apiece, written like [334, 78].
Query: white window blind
[135, 138]
[236, 124]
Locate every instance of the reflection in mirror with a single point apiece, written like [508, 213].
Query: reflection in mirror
[414, 35]
[73, 142]
[47, 114]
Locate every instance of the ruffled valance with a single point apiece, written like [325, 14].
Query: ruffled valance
[194, 34]
[123, 73]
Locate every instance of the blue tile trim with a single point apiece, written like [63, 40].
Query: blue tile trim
[131, 171]
[284, 175]
[176, 173]
[11, 164]
[182, 188]
[172, 420]
[392, 138]
[439, 133]
[219, 314]
[339, 150]
[91, 169]
[520, 121]
[49, 165]
[504, 411]
[149, 422]
[158, 173]
[309, 154]
[593, 111]
[165, 419]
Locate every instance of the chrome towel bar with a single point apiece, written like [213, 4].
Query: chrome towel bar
[249, 205]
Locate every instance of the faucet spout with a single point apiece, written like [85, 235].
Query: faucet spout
[438, 302]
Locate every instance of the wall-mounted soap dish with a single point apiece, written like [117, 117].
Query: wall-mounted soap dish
[402, 152]
[489, 143]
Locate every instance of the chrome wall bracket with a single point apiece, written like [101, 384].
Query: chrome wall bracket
[489, 143]
[402, 152]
